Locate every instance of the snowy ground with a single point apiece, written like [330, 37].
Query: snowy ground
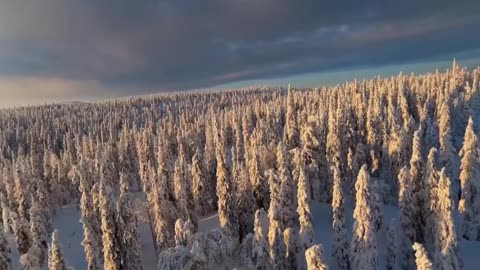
[71, 234]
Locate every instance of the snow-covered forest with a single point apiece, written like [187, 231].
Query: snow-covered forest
[374, 174]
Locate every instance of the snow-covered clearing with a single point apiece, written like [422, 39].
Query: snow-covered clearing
[71, 234]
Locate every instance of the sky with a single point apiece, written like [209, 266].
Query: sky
[54, 50]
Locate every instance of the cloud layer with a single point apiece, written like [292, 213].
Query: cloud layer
[119, 47]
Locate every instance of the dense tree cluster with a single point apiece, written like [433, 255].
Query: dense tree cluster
[257, 157]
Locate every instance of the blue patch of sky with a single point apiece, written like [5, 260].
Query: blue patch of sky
[469, 59]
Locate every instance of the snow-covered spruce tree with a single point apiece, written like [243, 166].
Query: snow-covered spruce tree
[246, 251]
[358, 159]
[429, 209]
[5, 203]
[429, 127]
[277, 247]
[130, 248]
[182, 201]
[43, 201]
[22, 233]
[446, 238]
[92, 242]
[183, 232]
[422, 261]
[311, 147]
[209, 162]
[239, 144]
[332, 140]
[287, 191]
[399, 151]
[304, 214]
[386, 189]
[56, 260]
[143, 146]
[274, 210]
[469, 205]
[447, 150]
[350, 174]
[5, 252]
[408, 215]
[431, 172]
[163, 214]
[247, 129]
[260, 251]
[57, 187]
[200, 189]
[38, 231]
[21, 189]
[30, 261]
[179, 257]
[259, 183]
[391, 263]
[35, 256]
[374, 133]
[227, 211]
[165, 164]
[394, 120]
[179, 239]
[475, 98]
[340, 243]
[291, 136]
[126, 157]
[276, 224]
[363, 251]
[334, 147]
[49, 163]
[206, 249]
[245, 201]
[111, 247]
[107, 163]
[319, 185]
[419, 193]
[292, 248]
[350, 128]
[6, 222]
[315, 258]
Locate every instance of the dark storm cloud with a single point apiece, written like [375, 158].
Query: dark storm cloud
[124, 45]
